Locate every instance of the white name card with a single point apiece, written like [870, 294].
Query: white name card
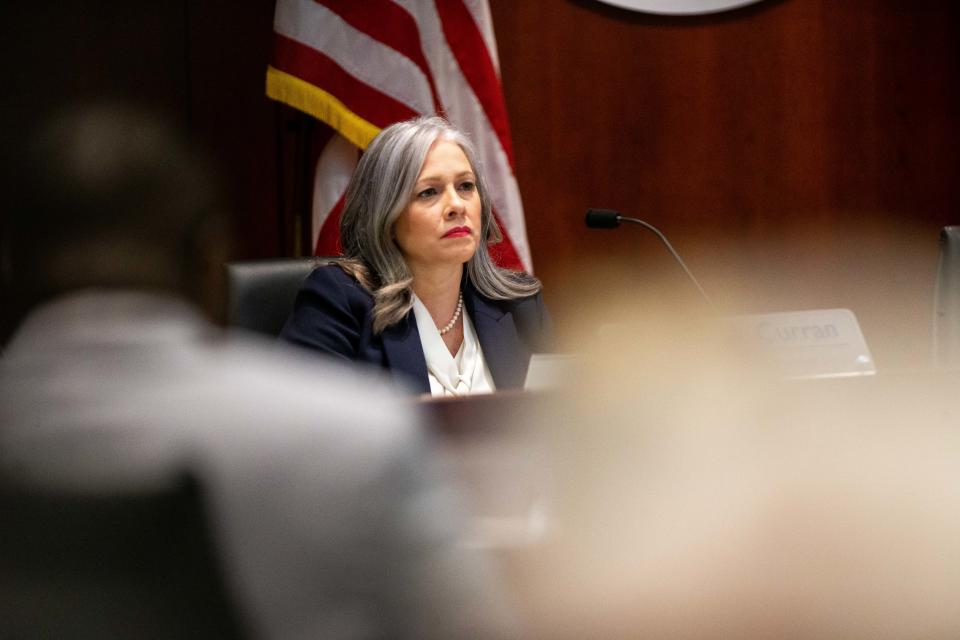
[823, 343]
[549, 371]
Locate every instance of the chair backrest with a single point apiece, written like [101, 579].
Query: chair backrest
[143, 565]
[261, 293]
[946, 301]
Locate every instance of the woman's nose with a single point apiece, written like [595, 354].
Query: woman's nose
[455, 204]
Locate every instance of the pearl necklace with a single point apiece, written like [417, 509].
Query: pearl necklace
[456, 316]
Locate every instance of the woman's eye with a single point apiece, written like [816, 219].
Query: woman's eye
[468, 186]
[427, 193]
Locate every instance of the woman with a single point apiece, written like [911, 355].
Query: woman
[416, 291]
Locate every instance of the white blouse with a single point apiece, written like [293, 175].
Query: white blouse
[460, 375]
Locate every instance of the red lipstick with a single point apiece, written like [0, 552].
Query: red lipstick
[457, 232]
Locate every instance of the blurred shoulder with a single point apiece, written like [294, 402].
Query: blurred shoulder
[332, 273]
[292, 390]
[332, 277]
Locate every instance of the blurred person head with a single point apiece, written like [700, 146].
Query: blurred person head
[108, 195]
[697, 498]
[418, 199]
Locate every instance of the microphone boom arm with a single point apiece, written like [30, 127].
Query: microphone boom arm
[676, 255]
[610, 219]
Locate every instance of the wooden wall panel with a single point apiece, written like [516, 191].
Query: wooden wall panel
[200, 63]
[799, 153]
[229, 46]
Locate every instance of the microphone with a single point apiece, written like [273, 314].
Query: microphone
[610, 219]
[603, 219]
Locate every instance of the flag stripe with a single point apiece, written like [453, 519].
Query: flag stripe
[366, 59]
[328, 236]
[475, 63]
[314, 67]
[334, 167]
[393, 27]
[480, 10]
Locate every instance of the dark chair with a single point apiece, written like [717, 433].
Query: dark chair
[260, 293]
[946, 301]
[133, 565]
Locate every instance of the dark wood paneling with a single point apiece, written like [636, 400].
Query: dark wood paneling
[200, 63]
[229, 48]
[800, 153]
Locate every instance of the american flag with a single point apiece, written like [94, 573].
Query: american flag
[359, 66]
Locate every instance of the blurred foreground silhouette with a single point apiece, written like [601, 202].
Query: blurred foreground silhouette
[696, 495]
[329, 516]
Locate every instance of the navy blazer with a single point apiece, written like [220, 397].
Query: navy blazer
[333, 315]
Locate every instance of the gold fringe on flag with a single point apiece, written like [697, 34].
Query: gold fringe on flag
[308, 98]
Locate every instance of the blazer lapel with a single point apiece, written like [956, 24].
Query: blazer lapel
[503, 350]
[401, 344]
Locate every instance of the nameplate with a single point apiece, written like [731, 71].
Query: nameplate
[549, 371]
[823, 343]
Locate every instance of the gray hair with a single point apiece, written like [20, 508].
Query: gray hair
[380, 190]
